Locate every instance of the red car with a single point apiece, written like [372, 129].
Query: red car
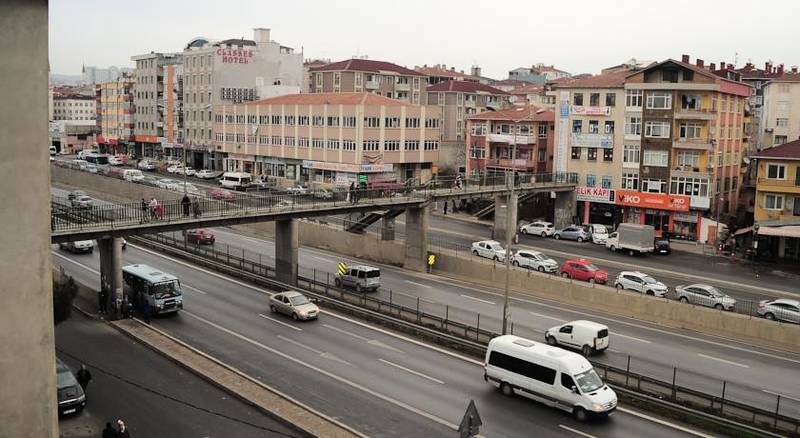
[225, 195]
[583, 270]
[200, 236]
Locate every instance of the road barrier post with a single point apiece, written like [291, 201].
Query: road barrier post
[417, 309]
[390, 299]
[722, 402]
[674, 375]
[228, 252]
[627, 371]
[478, 328]
[327, 282]
[777, 409]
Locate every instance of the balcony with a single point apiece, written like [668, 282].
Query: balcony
[509, 138]
[697, 144]
[518, 164]
[400, 86]
[694, 113]
[778, 185]
[470, 103]
[691, 172]
[372, 85]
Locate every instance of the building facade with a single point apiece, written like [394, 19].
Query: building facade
[379, 77]
[780, 116]
[491, 137]
[74, 108]
[157, 99]
[777, 201]
[440, 73]
[228, 72]
[115, 114]
[330, 139]
[91, 75]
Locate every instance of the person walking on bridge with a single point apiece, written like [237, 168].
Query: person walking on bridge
[196, 207]
[144, 212]
[186, 203]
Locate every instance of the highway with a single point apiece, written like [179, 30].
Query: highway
[381, 383]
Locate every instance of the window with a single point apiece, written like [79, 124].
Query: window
[543, 154]
[576, 153]
[611, 99]
[349, 122]
[477, 152]
[633, 126]
[479, 129]
[372, 122]
[333, 144]
[780, 139]
[594, 127]
[608, 154]
[594, 99]
[590, 180]
[776, 171]
[606, 182]
[689, 186]
[432, 123]
[656, 157]
[633, 98]
[317, 143]
[656, 129]
[577, 126]
[522, 367]
[371, 145]
[392, 122]
[630, 181]
[659, 100]
[773, 201]
[653, 185]
[689, 159]
[631, 154]
[276, 140]
[609, 125]
[318, 121]
[411, 145]
[592, 154]
[302, 142]
[391, 145]
[412, 122]
[690, 130]
[542, 131]
[348, 145]
[577, 99]
[431, 145]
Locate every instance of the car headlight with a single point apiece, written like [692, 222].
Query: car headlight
[598, 407]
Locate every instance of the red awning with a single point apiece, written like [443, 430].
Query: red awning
[101, 139]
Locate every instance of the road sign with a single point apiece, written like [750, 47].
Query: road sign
[342, 268]
[362, 179]
[471, 422]
[431, 260]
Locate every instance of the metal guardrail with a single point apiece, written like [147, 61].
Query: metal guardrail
[436, 317]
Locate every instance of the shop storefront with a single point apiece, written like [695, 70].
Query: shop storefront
[342, 174]
[657, 209]
[596, 205]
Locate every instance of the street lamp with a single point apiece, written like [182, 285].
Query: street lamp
[510, 227]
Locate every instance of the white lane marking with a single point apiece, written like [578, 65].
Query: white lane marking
[632, 338]
[373, 342]
[547, 316]
[409, 370]
[478, 299]
[280, 322]
[781, 395]
[350, 383]
[414, 297]
[723, 361]
[77, 263]
[323, 354]
[576, 431]
[418, 284]
[192, 288]
[663, 422]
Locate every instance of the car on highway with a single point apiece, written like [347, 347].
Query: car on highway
[146, 165]
[534, 260]
[360, 277]
[187, 170]
[491, 249]
[297, 190]
[82, 201]
[587, 336]
[572, 232]
[74, 194]
[180, 186]
[538, 228]
[640, 282]
[662, 246]
[704, 295]
[78, 246]
[206, 174]
[293, 304]
[782, 309]
[166, 182]
[222, 194]
[200, 236]
[583, 270]
[115, 161]
[324, 194]
[70, 395]
[598, 233]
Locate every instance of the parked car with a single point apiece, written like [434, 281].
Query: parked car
[491, 249]
[113, 160]
[538, 228]
[781, 309]
[640, 282]
[179, 186]
[165, 182]
[71, 398]
[206, 174]
[704, 295]
[587, 336]
[146, 165]
[174, 168]
[82, 201]
[583, 270]
[188, 171]
[534, 260]
[662, 246]
[132, 175]
[360, 278]
[572, 232]
[91, 168]
[294, 304]
[222, 194]
[297, 190]
[324, 194]
[597, 233]
[78, 246]
[200, 236]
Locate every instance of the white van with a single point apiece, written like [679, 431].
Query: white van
[235, 180]
[53, 151]
[133, 175]
[587, 336]
[597, 233]
[549, 375]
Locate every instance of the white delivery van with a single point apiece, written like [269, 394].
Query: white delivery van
[235, 180]
[633, 238]
[549, 375]
[133, 175]
[587, 336]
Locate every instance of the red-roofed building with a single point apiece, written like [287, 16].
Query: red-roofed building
[491, 136]
[459, 100]
[379, 77]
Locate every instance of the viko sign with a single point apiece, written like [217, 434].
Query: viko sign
[235, 56]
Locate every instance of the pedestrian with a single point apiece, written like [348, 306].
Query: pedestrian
[126, 308]
[147, 311]
[144, 211]
[103, 300]
[153, 204]
[122, 430]
[109, 431]
[445, 208]
[196, 207]
[458, 182]
[186, 203]
[352, 191]
[454, 206]
[159, 211]
[84, 377]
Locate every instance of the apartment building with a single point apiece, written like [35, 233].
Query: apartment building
[590, 142]
[115, 114]
[457, 101]
[531, 94]
[684, 126]
[491, 136]
[74, 108]
[227, 72]
[777, 201]
[780, 117]
[157, 100]
[379, 77]
[537, 74]
[330, 139]
[440, 73]
[308, 76]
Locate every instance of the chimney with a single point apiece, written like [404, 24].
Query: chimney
[794, 69]
[476, 71]
[685, 59]
[722, 65]
[452, 69]
[700, 63]
[768, 67]
[730, 66]
[261, 35]
[713, 66]
[780, 70]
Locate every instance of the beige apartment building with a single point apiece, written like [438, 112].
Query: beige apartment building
[115, 114]
[329, 139]
[780, 121]
[379, 77]
[157, 94]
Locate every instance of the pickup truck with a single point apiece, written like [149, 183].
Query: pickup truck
[633, 238]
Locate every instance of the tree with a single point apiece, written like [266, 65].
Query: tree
[64, 293]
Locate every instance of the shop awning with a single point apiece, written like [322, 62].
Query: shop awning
[787, 231]
[743, 231]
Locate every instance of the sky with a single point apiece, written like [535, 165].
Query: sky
[575, 35]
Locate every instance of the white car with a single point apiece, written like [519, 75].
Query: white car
[538, 228]
[165, 183]
[91, 168]
[782, 309]
[146, 165]
[705, 295]
[490, 249]
[640, 282]
[178, 186]
[534, 260]
[597, 233]
[297, 190]
[175, 168]
[188, 171]
[205, 174]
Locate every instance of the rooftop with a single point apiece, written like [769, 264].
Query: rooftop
[363, 98]
[444, 72]
[464, 87]
[236, 42]
[528, 113]
[786, 151]
[525, 89]
[613, 79]
[368, 65]
[511, 82]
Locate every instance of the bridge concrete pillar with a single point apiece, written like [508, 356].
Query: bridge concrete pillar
[387, 228]
[111, 270]
[565, 209]
[417, 223]
[505, 205]
[286, 248]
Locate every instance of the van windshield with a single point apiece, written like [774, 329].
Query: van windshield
[373, 274]
[588, 381]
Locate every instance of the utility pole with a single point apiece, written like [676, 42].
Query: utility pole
[511, 227]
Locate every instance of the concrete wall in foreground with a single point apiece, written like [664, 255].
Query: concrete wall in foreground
[661, 311]
[28, 406]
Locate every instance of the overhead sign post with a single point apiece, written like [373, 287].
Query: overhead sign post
[471, 423]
